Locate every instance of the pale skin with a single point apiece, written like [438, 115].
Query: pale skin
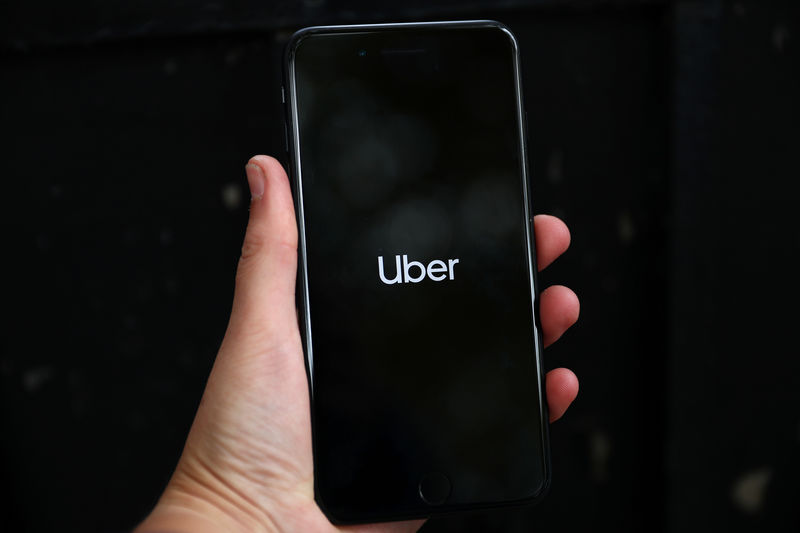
[247, 463]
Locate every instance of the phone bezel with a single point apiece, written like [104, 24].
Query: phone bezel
[304, 312]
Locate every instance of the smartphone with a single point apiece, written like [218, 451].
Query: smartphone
[417, 279]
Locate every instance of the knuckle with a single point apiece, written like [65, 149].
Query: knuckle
[253, 245]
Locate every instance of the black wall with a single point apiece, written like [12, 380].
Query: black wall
[665, 134]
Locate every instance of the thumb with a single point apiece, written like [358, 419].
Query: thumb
[263, 304]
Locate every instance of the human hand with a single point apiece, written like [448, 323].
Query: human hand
[247, 464]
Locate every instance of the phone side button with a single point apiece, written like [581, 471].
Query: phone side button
[434, 488]
[285, 137]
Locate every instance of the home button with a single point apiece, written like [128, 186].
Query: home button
[434, 488]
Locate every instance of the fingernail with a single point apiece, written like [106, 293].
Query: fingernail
[255, 178]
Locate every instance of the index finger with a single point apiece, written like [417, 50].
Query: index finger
[552, 239]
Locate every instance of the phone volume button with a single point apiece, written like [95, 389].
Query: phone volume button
[285, 137]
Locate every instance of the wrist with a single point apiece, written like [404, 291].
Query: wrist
[191, 505]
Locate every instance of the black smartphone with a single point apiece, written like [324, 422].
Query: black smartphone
[417, 278]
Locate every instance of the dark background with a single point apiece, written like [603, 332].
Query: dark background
[665, 134]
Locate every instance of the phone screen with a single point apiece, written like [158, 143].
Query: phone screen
[422, 343]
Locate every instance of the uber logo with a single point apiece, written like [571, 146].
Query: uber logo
[437, 270]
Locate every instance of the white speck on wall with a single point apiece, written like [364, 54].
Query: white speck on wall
[234, 56]
[33, 379]
[170, 67]
[165, 237]
[171, 285]
[231, 196]
[600, 450]
[748, 491]
[555, 166]
[779, 37]
[625, 227]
